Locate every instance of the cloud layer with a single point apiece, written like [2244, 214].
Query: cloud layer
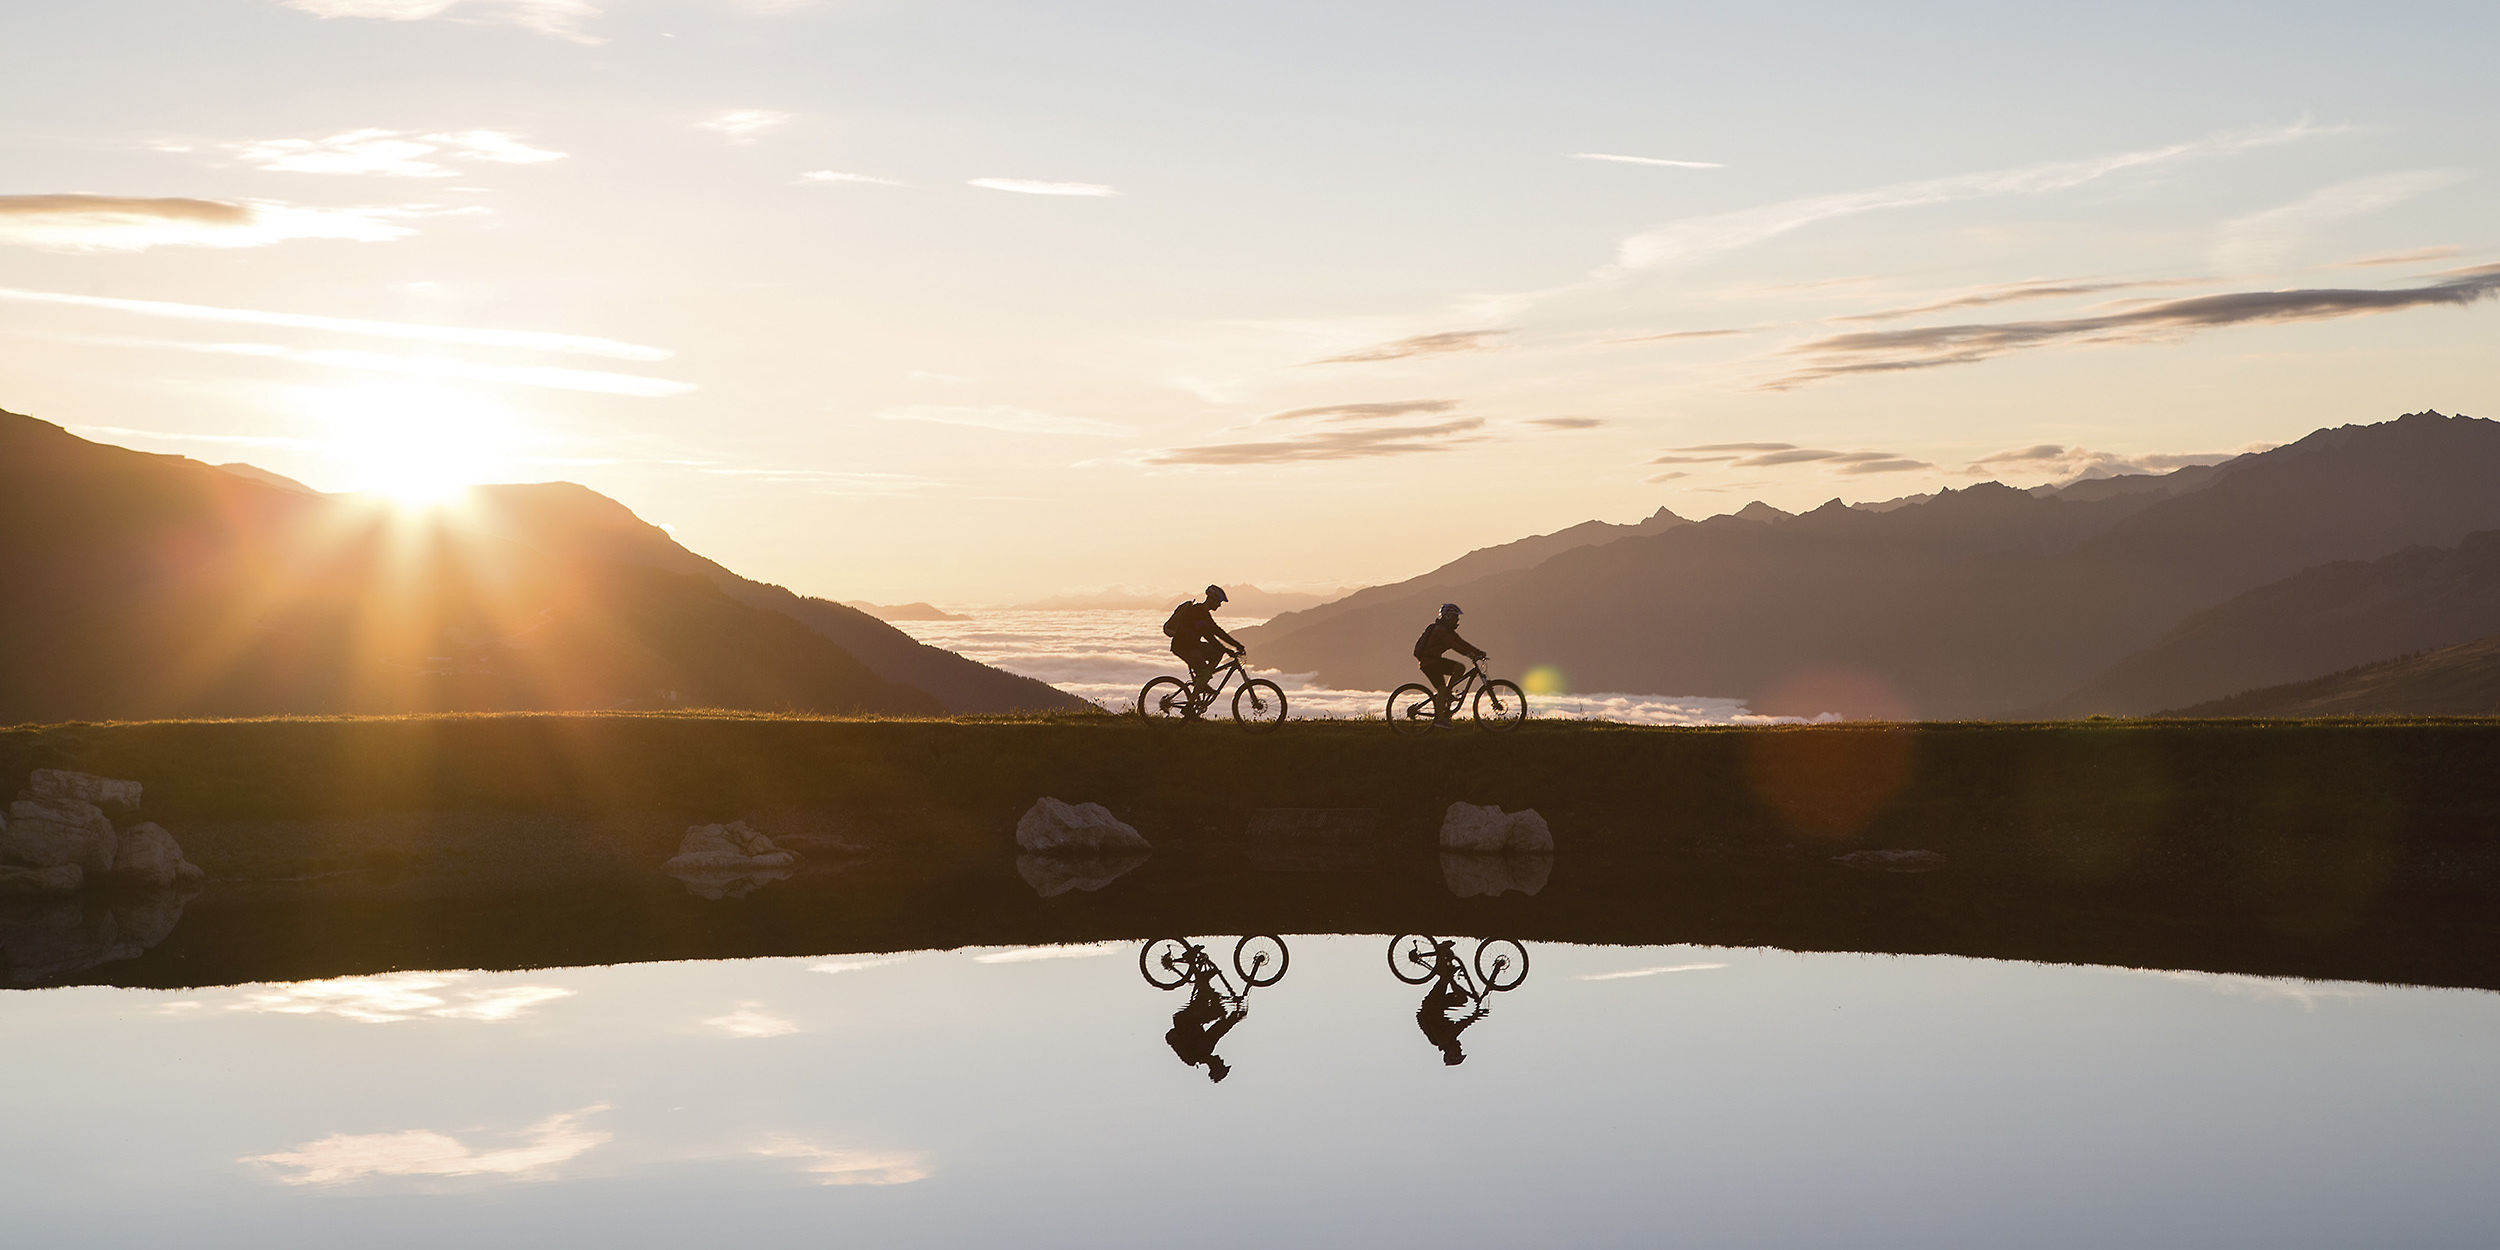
[111, 223]
[1439, 344]
[388, 152]
[558, 18]
[1029, 186]
[1353, 443]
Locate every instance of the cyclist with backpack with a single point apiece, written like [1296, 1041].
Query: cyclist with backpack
[1432, 652]
[1197, 639]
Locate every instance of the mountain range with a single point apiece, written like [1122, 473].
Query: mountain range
[145, 586]
[2122, 594]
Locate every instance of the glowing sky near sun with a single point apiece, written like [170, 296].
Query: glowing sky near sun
[978, 302]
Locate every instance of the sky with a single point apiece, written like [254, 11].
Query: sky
[981, 302]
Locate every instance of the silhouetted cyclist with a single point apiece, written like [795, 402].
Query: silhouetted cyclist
[1438, 1017]
[1431, 652]
[1197, 639]
[1201, 1023]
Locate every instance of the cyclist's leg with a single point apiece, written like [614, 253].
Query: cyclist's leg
[1441, 672]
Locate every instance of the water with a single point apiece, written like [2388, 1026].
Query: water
[1619, 1096]
[1107, 656]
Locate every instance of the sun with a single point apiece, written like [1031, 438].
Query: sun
[417, 444]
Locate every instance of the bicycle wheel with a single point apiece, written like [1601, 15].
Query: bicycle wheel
[1165, 698]
[1164, 962]
[1259, 705]
[1501, 964]
[1501, 705]
[1411, 958]
[1411, 708]
[1260, 959]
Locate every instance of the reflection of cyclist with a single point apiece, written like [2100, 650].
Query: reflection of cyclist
[1431, 651]
[1197, 639]
[1202, 1022]
[1440, 1015]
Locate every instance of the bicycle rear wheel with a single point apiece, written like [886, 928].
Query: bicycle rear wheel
[1164, 962]
[1411, 958]
[1501, 964]
[1165, 698]
[1411, 708]
[1260, 959]
[1501, 705]
[1259, 705]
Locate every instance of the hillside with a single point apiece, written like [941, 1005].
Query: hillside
[2324, 619]
[151, 586]
[1975, 602]
[2460, 680]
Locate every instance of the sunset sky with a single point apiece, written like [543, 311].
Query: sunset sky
[981, 302]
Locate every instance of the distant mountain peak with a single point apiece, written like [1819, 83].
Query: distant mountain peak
[1761, 513]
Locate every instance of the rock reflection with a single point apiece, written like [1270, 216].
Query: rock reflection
[1457, 995]
[48, 940]
[1217, 1002]
[1054, 875]
[1489, 876]
[1075, 846]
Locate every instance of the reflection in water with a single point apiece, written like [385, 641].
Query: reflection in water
[1054, 875]
[850, 1167]
[1456, 998]
[1488, 876]
[751, 1020]
[47, 940]
[343, 1157]
[396, 996]
[1215, 1003]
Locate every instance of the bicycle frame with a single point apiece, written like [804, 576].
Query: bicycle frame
[1220, 679]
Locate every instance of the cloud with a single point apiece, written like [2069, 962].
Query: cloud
[344, 1157]
[1645, 160]
[2419, 255]
[1736, 447]
[1886, 351]
[1672, 335]
[1365, 412]
[558, 18]
[1655, 478]
[1775, 455]
[1343, 444]
[542, 376]
[1027, 186]
[1006, 418]
[850, 1167]
[395, 997]
[111, 223]
[751, 1020]
[466, 336]
[1565, 423]
[2062, 464]
[835, 175]
[744, 126]
[2012, 292]
[388, 152]
[2261, 240]
[1421, 345]
[836, 483]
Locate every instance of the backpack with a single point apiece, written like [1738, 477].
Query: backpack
[1173, 625]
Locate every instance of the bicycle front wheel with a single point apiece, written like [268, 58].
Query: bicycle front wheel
[1259, 705]
[1164, 698]
[1501, 705]
[1411, 958]
[1260, 959]
[1501, 964]
[1411, 708]
[1164, 962]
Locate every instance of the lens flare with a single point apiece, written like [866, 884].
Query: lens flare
[1544, 679]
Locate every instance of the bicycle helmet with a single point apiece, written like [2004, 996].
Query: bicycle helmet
[1216, 595]
[1449, 610]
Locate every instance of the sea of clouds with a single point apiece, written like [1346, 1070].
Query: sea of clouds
[1107, 656]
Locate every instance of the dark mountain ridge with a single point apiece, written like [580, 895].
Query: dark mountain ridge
[2458, 680]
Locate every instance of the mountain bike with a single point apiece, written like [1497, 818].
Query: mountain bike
[1259, 960]
[1258, 706]
[1499, 705]
[1500, 963]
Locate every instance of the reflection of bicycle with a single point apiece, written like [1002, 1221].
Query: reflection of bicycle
[1170, 963]
[1498, 704]
[1258, 706]
[1500, 964]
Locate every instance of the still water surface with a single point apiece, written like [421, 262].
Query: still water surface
[1619, 1096]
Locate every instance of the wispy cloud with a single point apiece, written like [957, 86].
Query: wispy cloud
[1006, 418]
[1645, 160]
[1439, 344]
[1028, 186]
[2261, 240]
[850, 1167]
[2015, 292]
[558, 18]
[1565, 423]
[1776, 455]
[2417, 256]
[744, 126]
[836, 175]
[1928, 347]
[1364, 412]
[465, 336]
[545, 377]
[344, 1157]
[1362, 442]
[388, 152]
[2063, 464]
[1673, 335]
[112, 223]
[839, 483]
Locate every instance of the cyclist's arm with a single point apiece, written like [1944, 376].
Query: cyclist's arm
[1470, 648]
[1227, 639]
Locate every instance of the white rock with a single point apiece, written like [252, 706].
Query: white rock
[62, 784]
[1051, 827]
[58, 879]
[147, 855]
[1488, 830]
[1485, 876]
[45, 832]
[732, 847]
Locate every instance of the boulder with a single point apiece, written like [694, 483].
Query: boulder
[44, 832]
[1051, 827]
[1487, 830]
[62, 785]
[147, 855]
[1054, 875]
[58, 879]
[1488, 876]
[732, 847]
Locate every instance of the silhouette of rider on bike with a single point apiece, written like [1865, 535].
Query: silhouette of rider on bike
[1201, 1023]
[1431, 653]
[1448, 1008]
[1198, 640]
